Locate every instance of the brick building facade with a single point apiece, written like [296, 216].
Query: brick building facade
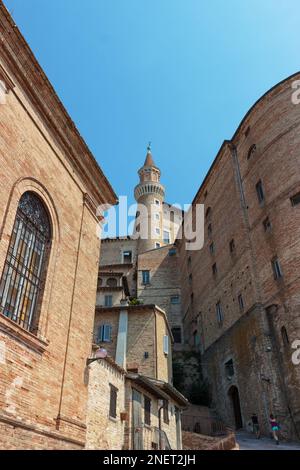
[49, 192]
[240, 300]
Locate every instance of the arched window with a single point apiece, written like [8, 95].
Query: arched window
[112, 282]
[285, 337]
[24, 271]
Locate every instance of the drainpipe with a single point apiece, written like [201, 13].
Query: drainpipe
[159, 425]
[121, 349]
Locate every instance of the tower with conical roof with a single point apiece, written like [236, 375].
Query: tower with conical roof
[149, 194]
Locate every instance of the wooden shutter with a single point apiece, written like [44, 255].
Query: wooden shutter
[166, 411]
[147, 410]
[166, 344]
[107, 333]
[100, 334]
[113, 401]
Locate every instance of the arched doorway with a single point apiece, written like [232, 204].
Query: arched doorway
[236, 406]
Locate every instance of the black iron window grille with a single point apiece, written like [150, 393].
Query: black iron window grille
[24, 271]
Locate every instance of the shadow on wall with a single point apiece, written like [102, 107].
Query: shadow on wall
[188, 378]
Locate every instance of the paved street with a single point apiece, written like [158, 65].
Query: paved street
[247, 441]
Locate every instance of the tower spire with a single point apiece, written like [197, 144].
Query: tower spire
[149, 162]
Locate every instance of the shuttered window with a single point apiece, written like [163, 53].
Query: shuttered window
[166, 411]
[166, 344]
[113, 401]
[147, 410]
[104, 334]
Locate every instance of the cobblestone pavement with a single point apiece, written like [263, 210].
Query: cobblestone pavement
[247, 441]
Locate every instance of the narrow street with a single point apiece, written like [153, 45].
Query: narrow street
[247, 441]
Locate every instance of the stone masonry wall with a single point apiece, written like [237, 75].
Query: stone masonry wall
[103, 431]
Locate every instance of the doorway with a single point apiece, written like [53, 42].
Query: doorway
[236, 406]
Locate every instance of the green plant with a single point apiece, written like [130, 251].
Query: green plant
[135, 301]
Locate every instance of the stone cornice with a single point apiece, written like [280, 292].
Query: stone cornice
[22, 65]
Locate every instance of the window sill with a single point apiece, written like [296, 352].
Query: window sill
[16, 331]
[114, 420]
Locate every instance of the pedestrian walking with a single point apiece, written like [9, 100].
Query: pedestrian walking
[255, 425]
[275, 428]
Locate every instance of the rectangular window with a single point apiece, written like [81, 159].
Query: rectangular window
[113, 401]
[229, 369]
[190, 278]
[146, 277]
[214, 269]
[147, 411]
[260, 191]
[166, 411]
[176, 332]
[219, 312]
[295, 200]
[127, 257]
[232, 246]
[276, 268]
[175, 299]
[157, 231]
[166, 344]
[212, 248]
[267, 225]
[104, 334]
[157, 216]
[241, 302]
[108, 300]
[166, 237]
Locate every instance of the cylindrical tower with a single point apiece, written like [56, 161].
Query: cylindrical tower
[149, 194]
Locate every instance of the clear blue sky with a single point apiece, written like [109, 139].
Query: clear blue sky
[181, 73]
